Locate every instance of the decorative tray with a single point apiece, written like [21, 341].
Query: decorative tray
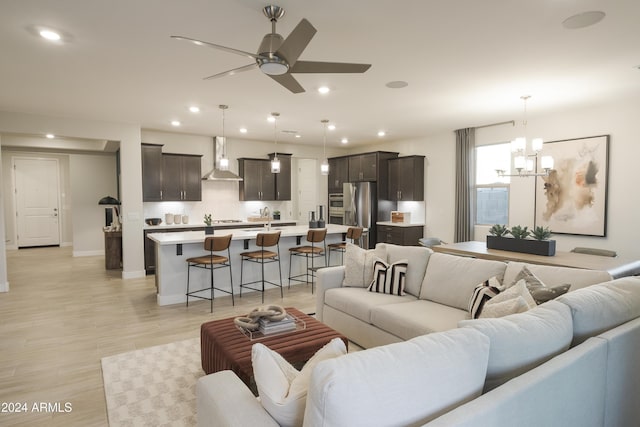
[257, 335]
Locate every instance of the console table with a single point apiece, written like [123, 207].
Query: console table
[616, 266]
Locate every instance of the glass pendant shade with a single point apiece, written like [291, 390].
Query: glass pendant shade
[324, 167]
[275, 165]
[224, 164]
[546, 162]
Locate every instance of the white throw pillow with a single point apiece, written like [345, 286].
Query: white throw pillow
[389, 278]
[358, 265]
[281, 387]
[516, 299]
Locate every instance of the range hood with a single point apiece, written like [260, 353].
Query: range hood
[217, 174]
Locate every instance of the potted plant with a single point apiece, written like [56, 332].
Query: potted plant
[519, 241]
[208, 222]
[276, 215]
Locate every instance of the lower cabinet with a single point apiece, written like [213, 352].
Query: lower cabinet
[400, 235]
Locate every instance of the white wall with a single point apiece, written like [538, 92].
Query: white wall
[4, 282]
[617, 119]
[92, 178]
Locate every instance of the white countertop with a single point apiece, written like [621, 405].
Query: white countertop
[164, 226]
[401, 224]
[184, 237]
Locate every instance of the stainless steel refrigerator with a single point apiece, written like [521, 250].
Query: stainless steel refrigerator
[361, 209]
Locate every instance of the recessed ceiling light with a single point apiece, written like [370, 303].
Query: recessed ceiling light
[50, 35]
[324, 89]
[331, 127]
[344, 140]
[243, 130]
[381, 133]
[397, 84]
[175, 123]
[50, 135]
[271, 119]
[582, 20]
[298, 135]
[194, 109]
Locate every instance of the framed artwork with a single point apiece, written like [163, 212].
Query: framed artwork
[573, 198]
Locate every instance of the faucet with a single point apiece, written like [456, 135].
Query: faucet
[266, 213]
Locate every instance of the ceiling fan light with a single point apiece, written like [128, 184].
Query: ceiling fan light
[275, 68]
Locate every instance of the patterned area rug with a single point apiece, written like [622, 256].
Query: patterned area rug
[155, 386]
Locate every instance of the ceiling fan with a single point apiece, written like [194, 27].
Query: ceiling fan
[277, 57]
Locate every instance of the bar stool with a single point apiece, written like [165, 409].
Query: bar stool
[314, 235]
[211, 262]
[353, 234]
[262, 257]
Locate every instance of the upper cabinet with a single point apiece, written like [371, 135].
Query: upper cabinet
[181, 177]
[338, 173]
[363, 167]
[170, 177]
[258, 183]
[151, 173]
[406, 178]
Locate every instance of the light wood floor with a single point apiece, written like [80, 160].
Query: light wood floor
[63, 314]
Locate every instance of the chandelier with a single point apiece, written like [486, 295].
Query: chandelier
[525, 162]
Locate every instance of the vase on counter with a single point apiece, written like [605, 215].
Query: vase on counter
[208, 229]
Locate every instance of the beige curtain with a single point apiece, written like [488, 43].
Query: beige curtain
[465, 182]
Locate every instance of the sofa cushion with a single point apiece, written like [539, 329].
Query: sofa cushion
[600, 307]
[451, 279]
[281, 387]
[410, 319]
[553, 276]
[431, 375]
[358, 302]
[520, 342]
[417, 258]
[358, 264]
[389, 278]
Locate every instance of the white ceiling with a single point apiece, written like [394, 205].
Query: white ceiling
[467, 63]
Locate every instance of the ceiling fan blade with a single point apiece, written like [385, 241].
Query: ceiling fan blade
[288, 81]
[328, 67]
[232, 72]
[217, 46]
[292, 47]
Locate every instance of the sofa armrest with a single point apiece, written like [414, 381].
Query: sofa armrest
[225, 401]
[328, 278]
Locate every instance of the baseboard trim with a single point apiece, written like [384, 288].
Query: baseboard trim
[4, 287]
[87, 253]
[64, 244]
[133, 274]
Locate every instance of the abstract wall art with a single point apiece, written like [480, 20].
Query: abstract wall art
[573, 198]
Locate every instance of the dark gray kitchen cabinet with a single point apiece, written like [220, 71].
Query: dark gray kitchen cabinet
[258, 182]
[283, 179]
[400, 235]
[181, 177]
[151, 173]
[363, 167]
[406, 178]
[338, 173]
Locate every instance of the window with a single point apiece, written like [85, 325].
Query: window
[492, 191]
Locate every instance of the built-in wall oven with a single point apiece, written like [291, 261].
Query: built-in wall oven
[336, 208]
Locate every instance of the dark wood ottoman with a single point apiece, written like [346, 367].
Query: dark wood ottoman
[224, 346]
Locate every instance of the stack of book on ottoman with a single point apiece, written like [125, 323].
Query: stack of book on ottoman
[268, 327]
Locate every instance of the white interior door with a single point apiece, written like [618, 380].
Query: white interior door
[37, 212]
[307, 187]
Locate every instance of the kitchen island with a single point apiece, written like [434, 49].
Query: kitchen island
[173, 249]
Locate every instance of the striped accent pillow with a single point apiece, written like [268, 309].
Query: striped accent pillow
[389, 279]
[483, 293]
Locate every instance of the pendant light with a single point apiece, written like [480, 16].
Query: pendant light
[224, 160]
[324, 166]
[275, 162]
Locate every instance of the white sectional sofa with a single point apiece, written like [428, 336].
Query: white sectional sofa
[567, 362]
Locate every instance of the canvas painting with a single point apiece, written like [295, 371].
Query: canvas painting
[573, 198]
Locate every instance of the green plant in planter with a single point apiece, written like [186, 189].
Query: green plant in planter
[541, 233]
[519, 232]
[207, 220]
[276, 213]
[499, 230]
